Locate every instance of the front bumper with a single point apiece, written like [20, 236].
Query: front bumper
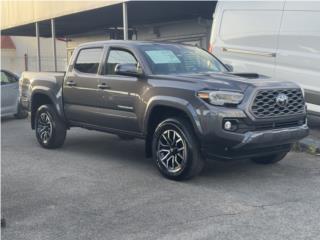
[274, 136]
[221, 144]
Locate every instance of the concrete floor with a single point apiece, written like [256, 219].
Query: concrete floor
[99, 187]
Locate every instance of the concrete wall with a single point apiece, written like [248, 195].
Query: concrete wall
[14, 60]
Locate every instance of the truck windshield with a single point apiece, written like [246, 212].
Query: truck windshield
[167, 59]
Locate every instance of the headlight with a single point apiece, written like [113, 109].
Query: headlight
[221, 98]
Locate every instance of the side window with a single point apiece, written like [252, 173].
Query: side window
[88, 60]
[116, 56]
[7, 78]
[4, 78]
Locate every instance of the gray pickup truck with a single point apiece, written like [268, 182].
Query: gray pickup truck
[185, 103]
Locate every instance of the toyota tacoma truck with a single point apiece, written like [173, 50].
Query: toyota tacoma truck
[186, 104]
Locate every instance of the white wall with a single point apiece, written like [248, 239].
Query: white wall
[14, 60]
[195, 31]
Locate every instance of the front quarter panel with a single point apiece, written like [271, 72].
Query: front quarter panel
[173, 102]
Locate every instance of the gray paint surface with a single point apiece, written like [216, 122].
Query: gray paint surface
[98, 187]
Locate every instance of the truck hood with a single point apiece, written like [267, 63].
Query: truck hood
[226, 81]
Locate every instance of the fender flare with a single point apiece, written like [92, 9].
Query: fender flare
[174, 102]
[55, 101]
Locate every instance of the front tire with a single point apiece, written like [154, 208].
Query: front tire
[269, 159]
[50, 129]
[175, 149]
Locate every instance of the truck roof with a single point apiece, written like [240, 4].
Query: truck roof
[126, 42]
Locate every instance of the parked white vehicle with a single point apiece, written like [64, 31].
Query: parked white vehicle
[10, 95]
[278, 39]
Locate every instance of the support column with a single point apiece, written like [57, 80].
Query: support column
[38, 47]
[54, 48]
[125, 21]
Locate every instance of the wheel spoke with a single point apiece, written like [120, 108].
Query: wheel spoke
[176, 161]
[171, 150]
[173, 161]
[179, 140]
[165, 138]
[167, 163]
[169, 139]
[163, 144]
[180, 156]
[164, 150]
[165, 157]
[42, 135]
[44, 128]
[174, 137]
[180, 149]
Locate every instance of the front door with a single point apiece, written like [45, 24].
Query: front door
[121, 95]
[82, 98]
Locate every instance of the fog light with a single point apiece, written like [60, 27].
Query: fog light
[227, 125]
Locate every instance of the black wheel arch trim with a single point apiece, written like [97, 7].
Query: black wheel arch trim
[56, 103]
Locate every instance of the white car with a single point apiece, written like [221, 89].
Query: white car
[280, 39]
[10, 95]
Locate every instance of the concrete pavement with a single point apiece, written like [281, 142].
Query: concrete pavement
[99, 187]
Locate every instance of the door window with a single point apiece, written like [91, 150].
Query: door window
[88, 60]
[115, 57]
[7, 78]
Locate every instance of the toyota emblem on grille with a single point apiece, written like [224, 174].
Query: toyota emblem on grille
[282, 100]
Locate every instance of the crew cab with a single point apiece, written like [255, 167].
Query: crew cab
[180, 99]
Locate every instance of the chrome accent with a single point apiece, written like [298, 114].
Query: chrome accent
[171, 151]
[249, 52]
[282, 100]
[125, 107]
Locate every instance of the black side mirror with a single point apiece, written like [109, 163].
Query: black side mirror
[128, 69]
[229, 67]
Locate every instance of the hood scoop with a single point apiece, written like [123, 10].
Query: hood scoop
[249, 75]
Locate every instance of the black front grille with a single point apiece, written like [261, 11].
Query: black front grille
[265, 105]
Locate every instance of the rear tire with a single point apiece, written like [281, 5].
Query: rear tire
[50, 129]
[175, 149]
[269, 159]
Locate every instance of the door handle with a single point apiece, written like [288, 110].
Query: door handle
[71, 83]
[103, 86]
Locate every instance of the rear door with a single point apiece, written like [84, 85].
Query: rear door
[9, 93]
[82, 98]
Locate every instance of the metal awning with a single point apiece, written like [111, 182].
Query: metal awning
[104, 17]
[15, 13]
[61, 19]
